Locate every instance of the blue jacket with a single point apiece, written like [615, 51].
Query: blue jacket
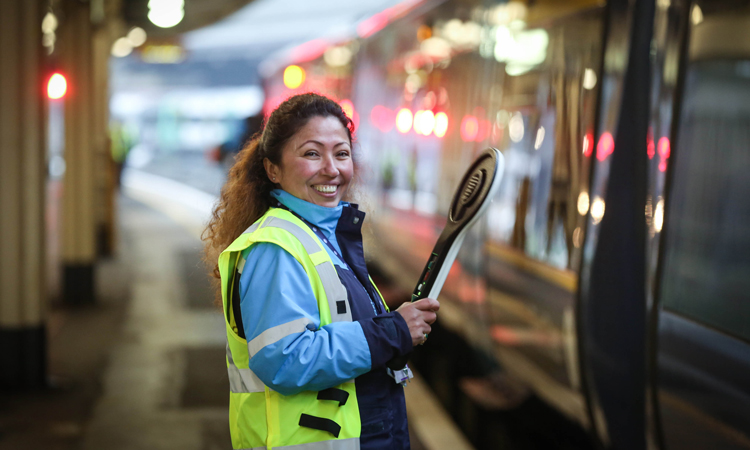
[277, 290]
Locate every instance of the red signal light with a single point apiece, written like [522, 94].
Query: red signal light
[57, 86]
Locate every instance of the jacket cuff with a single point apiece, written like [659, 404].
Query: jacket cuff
[387, 337]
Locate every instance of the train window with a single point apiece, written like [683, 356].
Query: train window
[707, 242]
[547, 114]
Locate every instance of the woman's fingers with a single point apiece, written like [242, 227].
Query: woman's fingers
[417, 335]
[418, 316]
[429, 317]
[427, 304]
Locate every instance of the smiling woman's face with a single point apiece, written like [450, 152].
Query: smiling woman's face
[316, 163]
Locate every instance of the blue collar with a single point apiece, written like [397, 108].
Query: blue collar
[322, 217]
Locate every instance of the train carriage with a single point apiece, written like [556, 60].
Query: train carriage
[609, 276]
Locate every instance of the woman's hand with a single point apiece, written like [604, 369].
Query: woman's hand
[418, 316]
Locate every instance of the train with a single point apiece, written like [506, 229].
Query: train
[610, 279]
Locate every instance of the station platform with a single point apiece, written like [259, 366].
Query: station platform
[144, 367]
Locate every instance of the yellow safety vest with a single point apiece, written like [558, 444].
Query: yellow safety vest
[259, 417]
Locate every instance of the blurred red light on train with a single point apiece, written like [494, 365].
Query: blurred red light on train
[469, 128]
[650, 151]
[605, 147]
[664, 150]
[382, 118]
[404, 120]
[588, 144]
[441, 124]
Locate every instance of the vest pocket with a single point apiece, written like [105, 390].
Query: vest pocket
[335, 394]
[320, 423]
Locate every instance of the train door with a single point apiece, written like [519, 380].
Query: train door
[612, 303]
[702, 272]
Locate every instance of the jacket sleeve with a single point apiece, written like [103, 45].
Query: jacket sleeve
[388, 336]
[289, 351]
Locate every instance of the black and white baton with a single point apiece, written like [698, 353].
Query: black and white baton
[470, 202]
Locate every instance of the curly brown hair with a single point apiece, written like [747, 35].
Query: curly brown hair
[246, 195]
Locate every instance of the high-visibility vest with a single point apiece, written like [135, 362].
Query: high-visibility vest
[259, 417]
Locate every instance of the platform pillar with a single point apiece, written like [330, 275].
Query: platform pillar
[78, 213]
[23, 302]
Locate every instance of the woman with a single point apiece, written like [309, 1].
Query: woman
[309, 335]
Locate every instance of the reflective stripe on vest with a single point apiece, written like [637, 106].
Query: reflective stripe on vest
[307, 241]
[339, 444]
[242, 380]
[251, 228]
[275, 334]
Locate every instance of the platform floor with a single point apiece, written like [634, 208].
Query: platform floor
[144, 367]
